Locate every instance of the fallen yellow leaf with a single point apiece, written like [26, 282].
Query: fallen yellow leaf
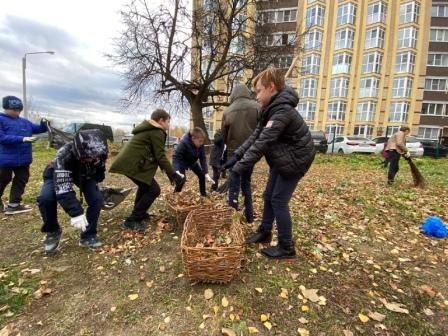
[224, 302]
[202, 325]
[133, 297]
[284, 293]
[208, 294]
[259, 290]
[363, 318]
[303, 332]
[216, 309]
[112, 309]
[227, 332]
[263, 318]
[253, 330]
[268, 325]
[232, 317]
[305, 308]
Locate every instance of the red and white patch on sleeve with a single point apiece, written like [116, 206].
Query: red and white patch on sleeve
[269, 124]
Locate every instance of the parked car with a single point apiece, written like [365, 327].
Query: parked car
[74, 127]
[412, 143]
[320, 141]
[351, 144]
[434, 148]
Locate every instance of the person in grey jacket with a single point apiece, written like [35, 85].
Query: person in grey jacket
[238, 123]
[285, 140]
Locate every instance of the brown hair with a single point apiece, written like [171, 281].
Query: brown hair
[160, 114]
[271, 75]
[197, 132]
[404, 128]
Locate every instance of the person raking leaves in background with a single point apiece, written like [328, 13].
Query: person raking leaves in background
[216, 155]
[139, 160]
[396, 147]
[16, 153]
[285, 140]
[186, 156]
[238, 122]
[81, 162]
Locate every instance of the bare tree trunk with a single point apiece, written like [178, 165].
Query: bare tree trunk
[197, 116]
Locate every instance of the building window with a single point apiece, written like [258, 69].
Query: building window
[334, 129]
[371, 62]
[428, 132]
[405, 62]
[366, 111]
[339, 87]
[402, 87]
[436, 84]
[438, 35]
[313, 40]
[336, 110]
[440, 11]
[399, 112]
[344, 38]
[307, 110]
[439, 60]
[409, 12]
[237, 45]
[286, 15]
[390, 130]
[376, 12]
[407, 37]
[434, 109]
[280, 39]
[311, 64]
[315, 16]
[346, 14]
[341, 63]
[308, 87]
[374, 38]
[283, 62]
[363, 130]
[369, 87]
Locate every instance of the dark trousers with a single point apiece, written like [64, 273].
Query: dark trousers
[196, 168]
[48, 207]
[235, 183]
[216, 175]
[145, 197]
[394, 158]
[21, 177]
[276, 196]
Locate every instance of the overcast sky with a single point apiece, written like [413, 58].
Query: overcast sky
[77, 83]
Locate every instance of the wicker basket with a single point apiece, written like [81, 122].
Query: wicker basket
[181, 213]
[211, 264]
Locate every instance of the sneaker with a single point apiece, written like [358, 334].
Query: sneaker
[91, 242]
[134, 226]
[21, 208]
[51, 241]
[147, 216]
[259, 237]
[279, 252]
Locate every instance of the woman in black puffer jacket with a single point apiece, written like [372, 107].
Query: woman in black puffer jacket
[284, 139]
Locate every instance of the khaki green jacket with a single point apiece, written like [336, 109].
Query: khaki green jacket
[141, 156]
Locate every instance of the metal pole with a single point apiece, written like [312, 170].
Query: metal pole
[25, 106]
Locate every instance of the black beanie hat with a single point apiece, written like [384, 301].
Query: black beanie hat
[12, 103]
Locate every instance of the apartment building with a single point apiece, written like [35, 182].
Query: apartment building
[434, 113]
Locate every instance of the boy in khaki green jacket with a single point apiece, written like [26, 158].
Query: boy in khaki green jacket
[139, 161]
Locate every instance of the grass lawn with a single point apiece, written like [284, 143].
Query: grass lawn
[358, 245]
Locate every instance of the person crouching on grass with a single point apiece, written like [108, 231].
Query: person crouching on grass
[186, 156]
[284, 139]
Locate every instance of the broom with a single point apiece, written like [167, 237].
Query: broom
[419, 181]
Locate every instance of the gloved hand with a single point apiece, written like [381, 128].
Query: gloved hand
[79, 222]
[29, 139]
[177, 178]
[230, 163]
[207, 176]
[407, 155]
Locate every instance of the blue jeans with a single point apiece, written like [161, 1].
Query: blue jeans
[48, 207]
[235, 182]
[195, 168]
[276, 196]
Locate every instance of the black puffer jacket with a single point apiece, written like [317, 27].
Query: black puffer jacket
[281, 136]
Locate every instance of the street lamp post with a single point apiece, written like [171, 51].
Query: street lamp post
[25, 104]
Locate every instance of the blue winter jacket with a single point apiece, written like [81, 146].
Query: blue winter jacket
[13, 151]
[187, 154]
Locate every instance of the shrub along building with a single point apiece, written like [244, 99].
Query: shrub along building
[361, 66]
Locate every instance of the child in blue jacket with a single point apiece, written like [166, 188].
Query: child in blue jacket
[16, 153]
[186, 156]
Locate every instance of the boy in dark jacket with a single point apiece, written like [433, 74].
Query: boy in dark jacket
[186, 156]
[284, 139]
[82, 163]
[216, 156]
[139, 160]
[16, 153]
